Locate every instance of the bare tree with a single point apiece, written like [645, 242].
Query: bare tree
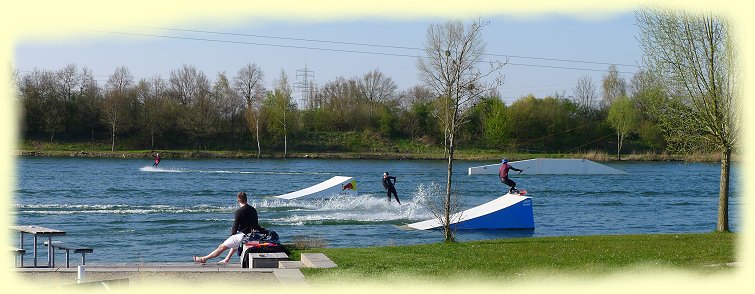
[614, 86]
[116, 100]
[69, 84]
[281, 107]
[450, 68]
[375, 87]
[157, 111]
[414, 95]
[42, 108]
[248, 85]
[188, 83]
[190, 88]
[694, 57]
[229, 103]
[90, 101]
[585, 95]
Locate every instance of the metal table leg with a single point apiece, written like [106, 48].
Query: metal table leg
[35, 250]
[50, 258]
[21, 245]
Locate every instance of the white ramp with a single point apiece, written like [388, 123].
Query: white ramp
[337, 185]
[550, 166]
[506, 212]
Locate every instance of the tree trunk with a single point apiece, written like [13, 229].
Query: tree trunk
[257, 137]
[448, 234]
[285, 142]
[152, 136]
[112, 132]
[618, 145]
[723, 193]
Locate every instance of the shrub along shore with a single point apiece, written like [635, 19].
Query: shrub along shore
[462, 154]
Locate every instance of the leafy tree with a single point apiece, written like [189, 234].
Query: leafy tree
[694, 58]
[450, 69]
[623, 117]
[495, 123]
[644, 90]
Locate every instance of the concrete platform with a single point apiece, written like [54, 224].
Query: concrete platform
[266, 260]
[160, 273]
[290, 264]
[317, 260]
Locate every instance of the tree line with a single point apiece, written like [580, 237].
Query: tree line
[188, 111]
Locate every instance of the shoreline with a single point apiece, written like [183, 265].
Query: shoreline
[460, 155]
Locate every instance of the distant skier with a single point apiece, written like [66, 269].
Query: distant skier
[388, 185]
[503, 173]
[157, 160]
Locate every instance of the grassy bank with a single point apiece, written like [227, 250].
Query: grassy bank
[507, 259]
[398, 152]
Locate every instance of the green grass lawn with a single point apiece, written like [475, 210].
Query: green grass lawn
[506, 259]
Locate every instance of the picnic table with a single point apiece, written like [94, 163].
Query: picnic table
[38, 231]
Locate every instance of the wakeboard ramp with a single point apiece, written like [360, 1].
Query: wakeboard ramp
[550, 166]
[506, 212]
[337, 185]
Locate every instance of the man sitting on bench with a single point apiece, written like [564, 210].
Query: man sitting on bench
[243, 223]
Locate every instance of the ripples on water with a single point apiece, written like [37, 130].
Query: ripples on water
[129, 212]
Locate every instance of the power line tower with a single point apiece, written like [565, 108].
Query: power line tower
[306, 87]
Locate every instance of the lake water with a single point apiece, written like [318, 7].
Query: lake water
[130, 215]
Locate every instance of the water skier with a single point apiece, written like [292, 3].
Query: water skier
[389, 186]
[157, 160]
[503, 173]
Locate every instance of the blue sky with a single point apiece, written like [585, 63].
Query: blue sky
[610, 39]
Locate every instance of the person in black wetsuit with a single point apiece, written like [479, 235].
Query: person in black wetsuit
[388, 185]
[244, 222]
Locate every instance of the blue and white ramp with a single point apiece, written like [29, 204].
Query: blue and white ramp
[506, 212]
[337, 185]
[550, 166]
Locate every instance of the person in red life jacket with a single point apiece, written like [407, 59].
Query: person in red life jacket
[157, 160]
[244, 222]
[388, 185]
[503, 173]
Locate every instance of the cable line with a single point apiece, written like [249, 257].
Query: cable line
[329, 49]
[588, 143]
[381, 45]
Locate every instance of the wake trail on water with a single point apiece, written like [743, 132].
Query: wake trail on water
[183, 170]
[364, 208]
[161, 170]
[343, 209]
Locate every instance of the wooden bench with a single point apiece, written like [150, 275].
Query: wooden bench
[69, 247]
[18, 252]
